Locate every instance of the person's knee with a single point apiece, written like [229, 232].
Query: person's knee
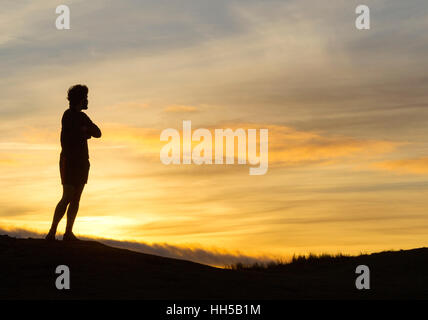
[64, 202]
[66, 198]
[74, 203]
[77, 194]
[68, 194]
[75, 200]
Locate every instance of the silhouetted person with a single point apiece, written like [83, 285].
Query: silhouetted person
[74, 158]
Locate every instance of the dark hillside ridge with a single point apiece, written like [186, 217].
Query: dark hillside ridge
[97, 271]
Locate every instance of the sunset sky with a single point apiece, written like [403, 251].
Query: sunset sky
[346, 110]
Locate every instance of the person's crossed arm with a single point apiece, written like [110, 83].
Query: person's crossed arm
[90, 129]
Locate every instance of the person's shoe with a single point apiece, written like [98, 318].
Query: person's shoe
[50, 236]
[69, 236]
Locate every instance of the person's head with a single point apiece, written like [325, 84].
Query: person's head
[78, 97]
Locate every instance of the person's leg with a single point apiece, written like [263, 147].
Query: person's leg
[67, 196]
[72, 209]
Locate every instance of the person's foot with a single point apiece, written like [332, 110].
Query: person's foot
[69, 236]
[50, 236]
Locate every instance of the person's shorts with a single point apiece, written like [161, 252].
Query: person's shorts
[73, 172]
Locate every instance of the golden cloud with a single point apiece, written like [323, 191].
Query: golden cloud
[287, 146]
[415, 165]
[178, 109]
[128, 106]
[8, 162]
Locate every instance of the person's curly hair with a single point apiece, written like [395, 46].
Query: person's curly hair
[77, 93]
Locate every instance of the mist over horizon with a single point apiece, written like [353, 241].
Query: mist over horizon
[215, 257]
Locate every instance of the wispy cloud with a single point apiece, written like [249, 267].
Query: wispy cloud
[180, 109]
[412, 166]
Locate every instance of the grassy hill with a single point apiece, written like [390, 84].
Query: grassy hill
[97, 271]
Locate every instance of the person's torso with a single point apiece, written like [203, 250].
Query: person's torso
[73, 143]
